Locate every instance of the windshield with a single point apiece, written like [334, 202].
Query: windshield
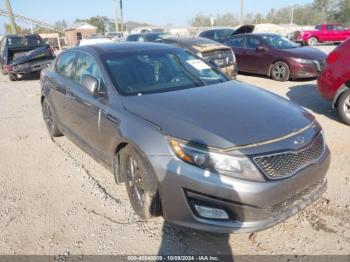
[279, 42]
[156, 71]
[25, 41]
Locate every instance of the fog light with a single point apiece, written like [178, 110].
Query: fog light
[211, 212]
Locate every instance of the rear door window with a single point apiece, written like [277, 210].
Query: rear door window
[236, 42]
[330, 27]
[253, 42]
[25, 41]
[65, 64]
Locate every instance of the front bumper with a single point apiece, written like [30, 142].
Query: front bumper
[252, 206]
[313, 70]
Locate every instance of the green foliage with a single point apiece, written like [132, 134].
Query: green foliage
[102, 23]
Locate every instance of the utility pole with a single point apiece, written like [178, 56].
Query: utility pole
[242, 13]
[12, 19]
[121, 16]
[116, 16]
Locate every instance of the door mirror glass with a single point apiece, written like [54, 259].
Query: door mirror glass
[90, 83]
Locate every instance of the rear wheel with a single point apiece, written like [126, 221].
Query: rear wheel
[312, 41]
[280, 71]
[141, 183]
[50, 120]
[344, 107]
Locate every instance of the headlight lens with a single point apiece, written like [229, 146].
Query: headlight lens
[303, 61]
[235, 166]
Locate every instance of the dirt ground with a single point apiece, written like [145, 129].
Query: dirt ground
[56, 200]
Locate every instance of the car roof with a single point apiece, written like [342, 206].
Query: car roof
[120, 47]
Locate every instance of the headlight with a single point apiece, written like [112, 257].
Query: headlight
[303, 61]
[199, 54]
[235, 166]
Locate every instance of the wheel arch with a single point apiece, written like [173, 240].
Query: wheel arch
[275, 61]
[341, 90]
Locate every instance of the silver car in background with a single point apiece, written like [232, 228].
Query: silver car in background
[191, 145]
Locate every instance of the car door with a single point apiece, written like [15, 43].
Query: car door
[88, 109]
[332, 34]
[237, 43]
[257, 61]
[59, 86]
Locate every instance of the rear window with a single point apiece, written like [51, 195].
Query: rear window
[25, 41]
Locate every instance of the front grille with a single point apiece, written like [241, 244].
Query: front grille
[286, 164]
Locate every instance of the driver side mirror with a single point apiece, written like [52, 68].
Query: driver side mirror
[262, 48]
[92, 85]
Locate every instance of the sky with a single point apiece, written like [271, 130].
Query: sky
[156, 12]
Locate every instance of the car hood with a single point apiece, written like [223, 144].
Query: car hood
[222, 116]
[306, 53]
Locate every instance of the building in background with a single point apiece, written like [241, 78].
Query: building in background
[78, 32]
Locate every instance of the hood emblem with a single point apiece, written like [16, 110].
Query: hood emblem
[299, 141]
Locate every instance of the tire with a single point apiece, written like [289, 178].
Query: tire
[141, 183]
[344, 107]
[49, 119]
[280, 71]
[13, 77]
[312, 41]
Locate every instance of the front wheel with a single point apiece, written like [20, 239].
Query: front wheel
[280, 71]
[312, 41]
[344, 107]
[141, 183]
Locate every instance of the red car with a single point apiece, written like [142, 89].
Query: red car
[275, 56]
[322, 33]
[334, 82]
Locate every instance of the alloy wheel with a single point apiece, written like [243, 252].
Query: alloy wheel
[279, 71]
[346, 107]
[134, 178]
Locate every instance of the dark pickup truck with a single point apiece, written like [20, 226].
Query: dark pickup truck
[24, 54]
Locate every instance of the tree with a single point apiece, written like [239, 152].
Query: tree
[200, 21]
[102, 23]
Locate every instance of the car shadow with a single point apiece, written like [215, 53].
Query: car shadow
[308, 96]
[178, 240]
[29, 77]
[268, 77]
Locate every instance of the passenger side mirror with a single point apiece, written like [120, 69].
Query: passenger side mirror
[90, 83]
[262, 48]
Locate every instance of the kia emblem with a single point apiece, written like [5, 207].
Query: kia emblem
[300, 140]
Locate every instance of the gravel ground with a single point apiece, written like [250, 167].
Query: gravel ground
[57, 200]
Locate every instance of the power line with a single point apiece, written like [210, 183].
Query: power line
[31, 21]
